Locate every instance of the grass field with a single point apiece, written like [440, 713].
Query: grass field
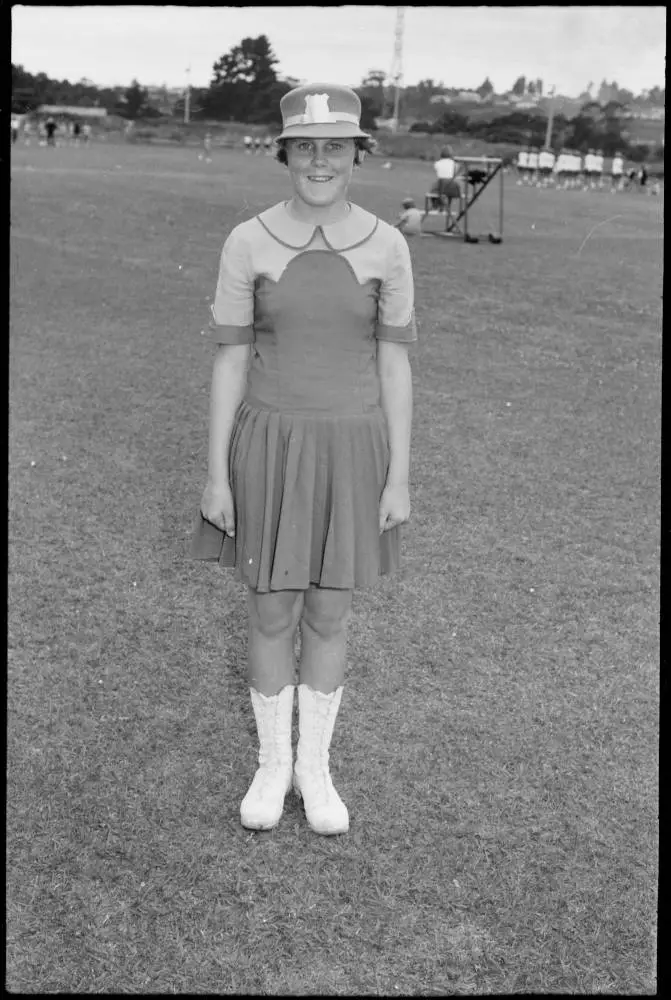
[497, 743]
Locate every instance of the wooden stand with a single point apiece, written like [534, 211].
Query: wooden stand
[477, 172]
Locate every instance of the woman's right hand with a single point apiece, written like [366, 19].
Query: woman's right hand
[217, 507]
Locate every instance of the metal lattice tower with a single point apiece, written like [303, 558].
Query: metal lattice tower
[396, 73]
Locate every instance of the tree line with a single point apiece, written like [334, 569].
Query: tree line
[245, 86]
[593, 128]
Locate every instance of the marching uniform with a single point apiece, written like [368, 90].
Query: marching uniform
[575, 169]
[616, 172]
[309, 450]
[308, 456]
[598, 169]
[559, 169]
[522, 165]
[546, 162]
[588, 170]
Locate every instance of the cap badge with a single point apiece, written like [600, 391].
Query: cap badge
[317, 110]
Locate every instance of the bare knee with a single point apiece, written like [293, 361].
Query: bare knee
[326, 612]
[275, 615]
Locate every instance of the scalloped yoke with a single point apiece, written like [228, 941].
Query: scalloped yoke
[313, 301]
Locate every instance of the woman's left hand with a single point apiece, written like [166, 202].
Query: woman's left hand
[394, 507]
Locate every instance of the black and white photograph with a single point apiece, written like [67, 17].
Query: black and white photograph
[334, 500]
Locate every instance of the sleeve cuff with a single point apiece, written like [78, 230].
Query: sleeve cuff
[223, 334]
[398, 334]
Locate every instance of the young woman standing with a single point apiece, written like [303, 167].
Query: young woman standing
[309, 438]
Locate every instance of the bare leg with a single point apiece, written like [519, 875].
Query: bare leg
[273, 619]
[324, 638]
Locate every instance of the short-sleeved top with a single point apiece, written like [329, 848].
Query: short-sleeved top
[313, 301]
[446, 168]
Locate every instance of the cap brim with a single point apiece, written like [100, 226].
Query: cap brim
[331, 130]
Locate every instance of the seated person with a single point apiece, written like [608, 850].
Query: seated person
[447, 187]
[410, 219]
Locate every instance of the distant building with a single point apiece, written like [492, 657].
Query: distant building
[470, 95]
[440, 99]
[71, 109]
[163, 99]
[523, 100]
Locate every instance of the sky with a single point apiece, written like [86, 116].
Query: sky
[567, 47]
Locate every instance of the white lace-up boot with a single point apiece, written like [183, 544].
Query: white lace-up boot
[262, 806]
[325, 810]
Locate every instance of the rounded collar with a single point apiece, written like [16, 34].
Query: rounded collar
[351, 231]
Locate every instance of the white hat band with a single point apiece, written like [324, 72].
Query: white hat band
[327, 118]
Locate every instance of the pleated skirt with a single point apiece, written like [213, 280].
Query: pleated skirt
[306, 491]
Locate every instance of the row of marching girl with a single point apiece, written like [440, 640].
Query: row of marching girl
[309, 440]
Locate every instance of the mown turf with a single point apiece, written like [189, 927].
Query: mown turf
[497, 743]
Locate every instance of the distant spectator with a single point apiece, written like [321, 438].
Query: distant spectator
[76, 132]
[86, 132]
[51, 128]
[207, 148]
[15, 129]
[248, 143]
[257, 144]
[268, 145]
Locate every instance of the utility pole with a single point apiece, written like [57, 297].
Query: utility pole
[187, 96]
[396, 74]
[551, 114]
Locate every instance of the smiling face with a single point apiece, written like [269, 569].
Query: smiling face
[320, 169]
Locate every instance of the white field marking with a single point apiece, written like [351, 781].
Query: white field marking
[594, 228]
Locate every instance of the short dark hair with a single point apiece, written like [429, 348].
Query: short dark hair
[361, 145]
